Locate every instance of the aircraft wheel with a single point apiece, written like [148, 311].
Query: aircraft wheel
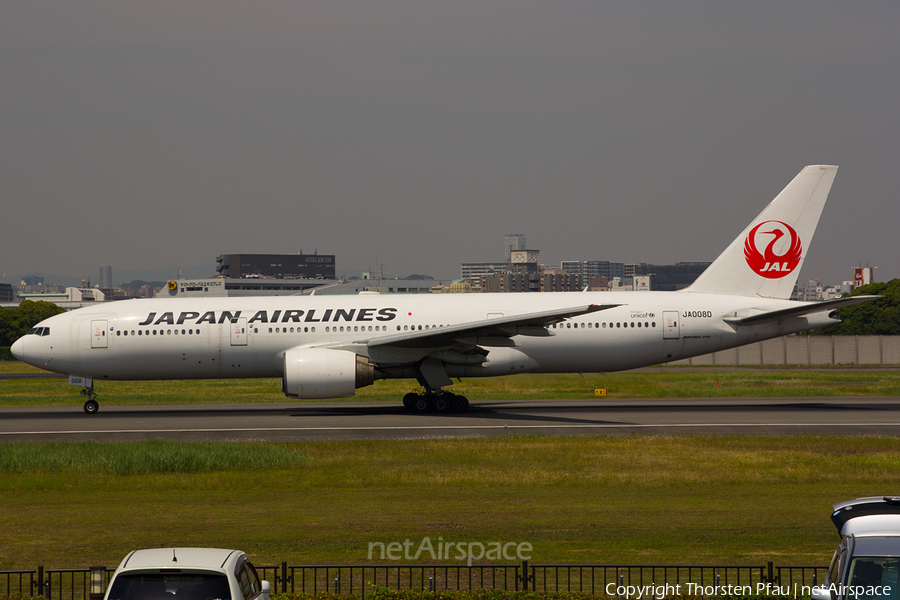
[442, 403]
[409, 400]
[422, 404]
[459, 404]
[91, 406]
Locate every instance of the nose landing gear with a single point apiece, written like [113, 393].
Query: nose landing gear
[91, 405]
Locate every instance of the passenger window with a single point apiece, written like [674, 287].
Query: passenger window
[249, 580]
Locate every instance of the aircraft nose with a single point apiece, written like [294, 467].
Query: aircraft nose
[18, 349]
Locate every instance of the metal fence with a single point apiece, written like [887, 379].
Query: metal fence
[358, 580]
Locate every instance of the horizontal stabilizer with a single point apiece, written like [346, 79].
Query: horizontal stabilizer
[797, 311]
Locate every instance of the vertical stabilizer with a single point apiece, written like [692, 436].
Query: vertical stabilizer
[765, 259]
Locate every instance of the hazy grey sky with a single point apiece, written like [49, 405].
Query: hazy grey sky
[145, 134]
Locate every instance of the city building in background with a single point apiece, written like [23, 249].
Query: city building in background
[590, 270]
[472, 271]
[105, 280]
[300, 266]
[557, 280]
[668, 278]
[863, 276]
[512, 243]
[522, 274]
[69, 298]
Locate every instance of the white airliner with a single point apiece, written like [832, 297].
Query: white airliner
[328, 346]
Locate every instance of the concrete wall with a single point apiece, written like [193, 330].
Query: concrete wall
[808, 350]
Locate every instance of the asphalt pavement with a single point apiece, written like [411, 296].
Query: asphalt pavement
[294, 422]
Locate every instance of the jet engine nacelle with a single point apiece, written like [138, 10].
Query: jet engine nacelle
[311, 373]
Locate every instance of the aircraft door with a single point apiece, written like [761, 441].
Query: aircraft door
[671, 329]
[239, 332]
[98, 334]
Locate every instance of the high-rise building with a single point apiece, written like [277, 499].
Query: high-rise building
[105, 276]
[513, 242]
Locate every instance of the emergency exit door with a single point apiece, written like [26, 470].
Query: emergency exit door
[239, 332]
[671, 329]
[98, 334]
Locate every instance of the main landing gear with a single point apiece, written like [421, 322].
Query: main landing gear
[91, 405]
[437, 401]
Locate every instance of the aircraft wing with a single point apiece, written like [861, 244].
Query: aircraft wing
[499, 329]
[797, 311]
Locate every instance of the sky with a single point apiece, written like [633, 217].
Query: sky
[414, 135]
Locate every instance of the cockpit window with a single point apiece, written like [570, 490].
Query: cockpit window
[45, 331]
[32, 331]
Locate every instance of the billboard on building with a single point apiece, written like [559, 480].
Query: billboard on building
[862, 276]
[642, 283]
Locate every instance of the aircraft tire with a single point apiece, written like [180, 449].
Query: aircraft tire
[422, 404]
[442, 403]
[459, 404]
[409, 400]
[91, 407]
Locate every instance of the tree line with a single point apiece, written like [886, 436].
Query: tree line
[15, 322]
[876, 317]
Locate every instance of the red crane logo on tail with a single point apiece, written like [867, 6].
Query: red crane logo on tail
[768, 264]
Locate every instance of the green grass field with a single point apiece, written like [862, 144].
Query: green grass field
[611, 499]
[674, 382]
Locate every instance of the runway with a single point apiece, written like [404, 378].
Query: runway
[297, 422]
